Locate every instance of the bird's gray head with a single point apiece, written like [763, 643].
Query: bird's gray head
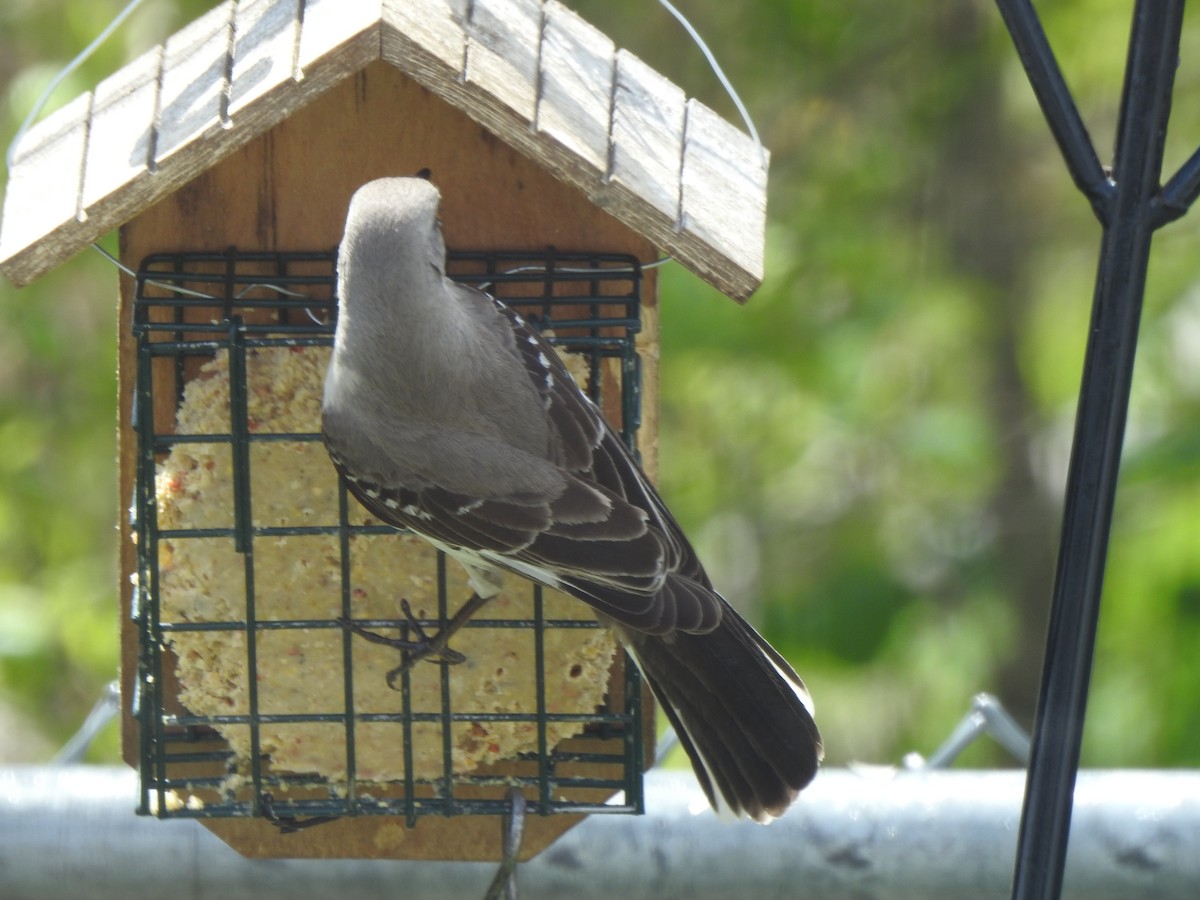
[396, 219]
[391, 262]
[393, 298]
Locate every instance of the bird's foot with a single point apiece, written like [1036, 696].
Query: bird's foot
[431, 649]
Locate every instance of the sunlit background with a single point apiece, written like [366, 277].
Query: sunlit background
[870, 454]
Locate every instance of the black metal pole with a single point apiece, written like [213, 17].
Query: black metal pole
[1129, 211]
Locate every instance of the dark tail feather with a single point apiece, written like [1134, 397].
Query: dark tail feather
[741, 713]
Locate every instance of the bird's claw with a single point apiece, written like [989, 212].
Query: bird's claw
[423, 647]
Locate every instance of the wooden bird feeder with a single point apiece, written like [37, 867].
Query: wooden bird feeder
[233, 149]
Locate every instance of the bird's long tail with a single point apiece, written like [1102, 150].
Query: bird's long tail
[741, 712]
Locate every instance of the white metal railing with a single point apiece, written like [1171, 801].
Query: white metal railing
[70, 832]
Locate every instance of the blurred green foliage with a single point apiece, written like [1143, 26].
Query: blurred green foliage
[870, 454]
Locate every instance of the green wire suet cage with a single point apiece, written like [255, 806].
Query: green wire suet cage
[193, 308]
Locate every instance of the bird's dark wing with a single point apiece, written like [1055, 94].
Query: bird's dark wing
[605, 536]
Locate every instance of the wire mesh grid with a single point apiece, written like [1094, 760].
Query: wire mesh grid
[203, 317]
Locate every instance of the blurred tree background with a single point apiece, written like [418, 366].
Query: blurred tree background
[870, 454]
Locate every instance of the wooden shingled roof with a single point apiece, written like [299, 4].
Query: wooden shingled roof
[535, 74]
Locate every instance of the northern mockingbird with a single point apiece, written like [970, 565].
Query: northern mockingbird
[449, 415]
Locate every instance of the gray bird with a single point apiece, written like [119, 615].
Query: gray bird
[448, 415]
